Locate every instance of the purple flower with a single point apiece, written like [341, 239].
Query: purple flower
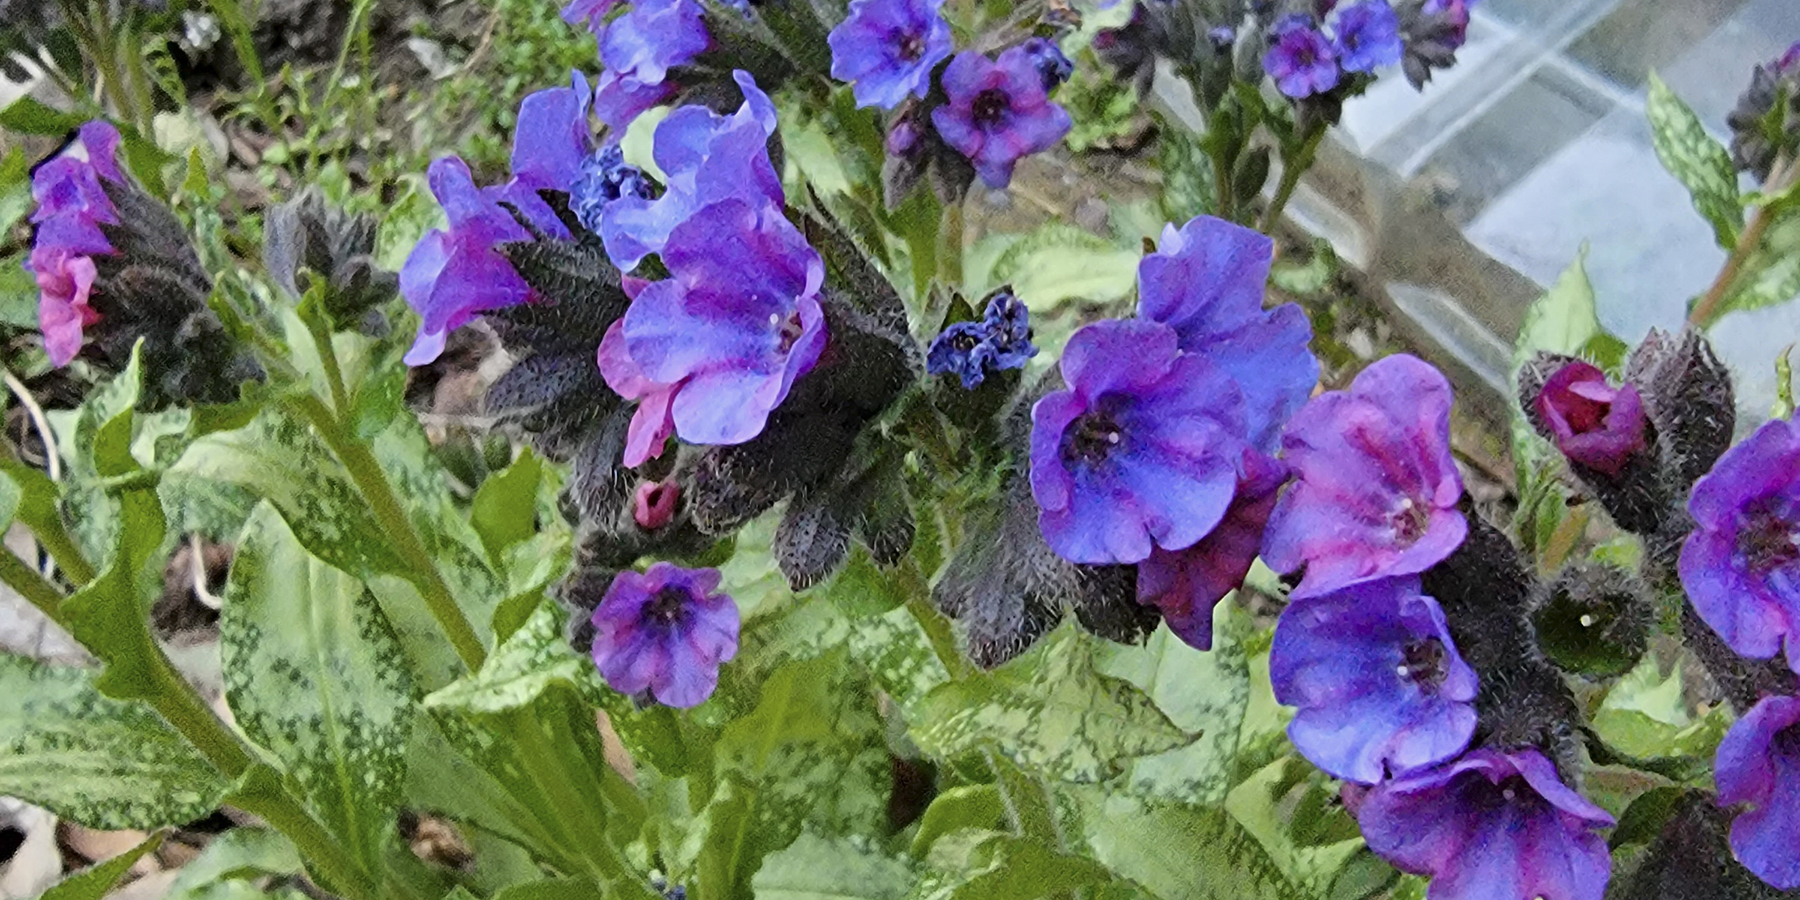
[71, 207]
[1301, 60]
[665, 631]
[1375, 489]
[1593, 424]
[589, 14]
[651, 424]
[1741, 566]
[1491, 826]
[1000, 340]
[1789, 61]
[1368, 36]
[1051, 62]
[1206, 280]
[1186, 584]
[887, 49]
[454, 275]
[638, 50]
[738, 320]
[1380, 688]
[551, 143]
[1142, 449]
[998, 112]
[707, 158]
[1759, 765]
[605, 177]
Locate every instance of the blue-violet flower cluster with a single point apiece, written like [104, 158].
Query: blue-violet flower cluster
[998, 112]
[72, 205]
[887, 49]
[1304, 60]
[999, 340]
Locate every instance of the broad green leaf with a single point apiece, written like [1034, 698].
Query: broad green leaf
[1049, 711]
[966, 806]
[815, 868]
[97, 881]
[992, 865]
[18, 294]
[897, 655]
[15, 189]
[314, 674]
[1188, 186]
[1644, 717]
[520, 669]
[104, 763]
[1643, 820]
[1060, 261]
[552, 889]
[1179, 852]
[1203, 694]
[504, 511]
[473, 775]
[1293, 811]
[226, 868]
[1701, 164]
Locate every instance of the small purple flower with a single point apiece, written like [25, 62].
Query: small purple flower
[1593, 423]
[605, 177]
[454, 275]
[665, 631]
[638, 50]
[71, 207]
[551, 142]
[1375, 489]
[1142, 449]
[1758, 764]
[887, 49]
[1380, 688]
[1454, 16]
[1368, 36]
[651, 424]
[738, 320]
[1000, 340]
[1741, 566]
[998, 112]
[1789, 61]
[1206, 280]
[589, 14]
[1301, 60]
[1186, 584]
[707, 158]
[1051, 62]
[65, 281]
[1491, 825]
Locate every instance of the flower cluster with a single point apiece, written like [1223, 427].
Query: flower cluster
[998, 341]
[887, 49]
[1158, 453]
[1765, 125]
[637, 51]
[1304, 60]
[72, 205]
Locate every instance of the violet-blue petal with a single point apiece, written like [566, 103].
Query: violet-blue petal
[1758, 766]
[1367, 36]
[453, 275]
[666, 631]
[997, 112]
[1301, 61]
[887, 49]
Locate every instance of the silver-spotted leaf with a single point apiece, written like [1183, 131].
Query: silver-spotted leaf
[98, 880]
[1699, 162]
[816, 868]
[1179, 852]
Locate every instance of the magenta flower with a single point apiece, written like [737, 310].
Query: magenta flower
[887, 49]
[1367, 36]
[1206, 280]
[1375, 489]
[64, 283]
[1758, 765]
[1741, 566]
[998, 112]
[72, 206]
[1592, 423]
[1491, 826]
[1301, 60]
[1380, 688]
[732, 328]
[1140, 452]
[455, 274]
[1186, 584]
[665, 631]
[651, 425]
[707, 158]
[653, 503]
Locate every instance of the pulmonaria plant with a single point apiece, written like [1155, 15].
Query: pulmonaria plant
[72, 206]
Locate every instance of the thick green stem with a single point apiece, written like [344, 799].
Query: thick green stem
[33, 587]
[55, 540]
[372, 482]
[576, 818]
[1292, 168]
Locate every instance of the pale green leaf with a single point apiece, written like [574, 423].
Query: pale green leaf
[227, 866]
[992, 865]
[1265, 805]
[15, 189]
[966, 806]
[1645, 717]
[1059, 261]
[314, 674]
[1784, 385]
[815, 868]
[521, 668]
[97, 881]
[1179, 852]
[1770, 273]
[103, 763]
[1049, 711]
[504, 511]
[1701, 164]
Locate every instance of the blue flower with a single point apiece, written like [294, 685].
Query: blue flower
[638, 50]
[605, 177]
[1376, 490]
[665, 631]
[707, 158]
[1051, 62]
[1301, 60]
[734, 325]
[887, 49]
[1141, 452]
[1000, 340]
[998, 112]
[1758, 765]
[589, 14]
[1380, 687]
[1368, 36]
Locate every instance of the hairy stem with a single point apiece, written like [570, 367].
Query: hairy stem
[1707, 308]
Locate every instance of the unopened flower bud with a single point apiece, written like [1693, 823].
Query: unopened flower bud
[653, 504]
[1603, 431]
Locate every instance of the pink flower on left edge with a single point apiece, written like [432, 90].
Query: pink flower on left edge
[72, 207]
[64, 281]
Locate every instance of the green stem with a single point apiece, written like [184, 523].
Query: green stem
[562, 793]
[937, 628]
[372, 482]
[55, 540]
[1707, 308]
[33, 587]
[334, 374]
[1292, 168]
[950, 245]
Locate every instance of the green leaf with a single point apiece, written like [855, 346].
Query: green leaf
[104, 763]
[1784, 385]
[1770, 274]
[15, 189]
[237, 26]
[1060, 261]
[11, 496]
[1179, 852]
[966, 806]
[408, 219]
[1644, 717]
[1049, 711]
[505, 507]
[815, 868]
[1293, 810]
[1203, 693]
[314, 674]
[1643, 820]
[552, 889]
[97, 881]
[1701, 164]
[238, 855]
[1310, 277]
[27, 115]
[992, 865]
[520, 669]
[1188, 186]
